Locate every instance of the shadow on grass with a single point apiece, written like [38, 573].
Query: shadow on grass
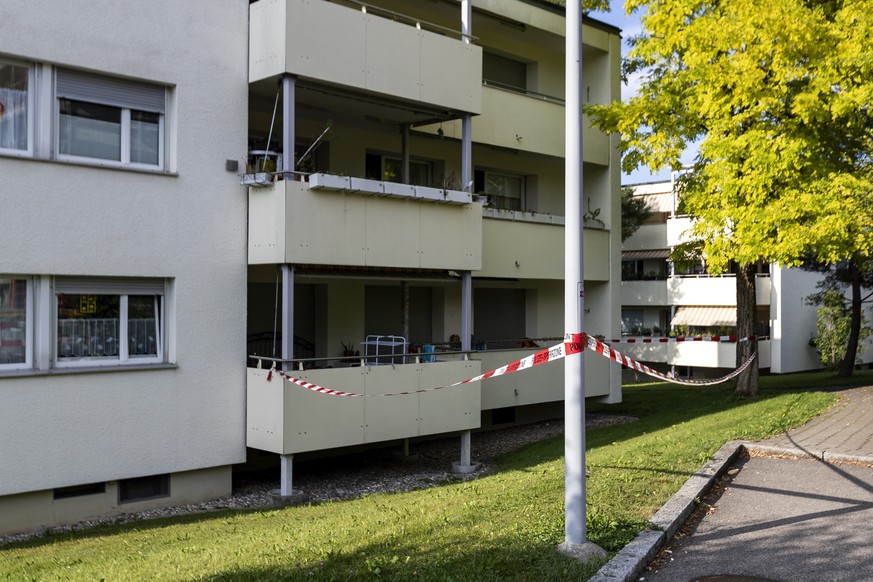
[456, 558]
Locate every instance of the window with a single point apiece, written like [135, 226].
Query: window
[113, 120]
[109, 322]
[504, 72]
[79, 490]
[15, 323]
[390, 169]
[143, 488]
[504, 191]
[15, 107]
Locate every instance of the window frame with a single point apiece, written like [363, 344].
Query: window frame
[124, 290]
[31, 106]
[28, 327]
[124, 146]
[485, 173]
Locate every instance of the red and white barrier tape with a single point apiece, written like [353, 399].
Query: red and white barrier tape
[562, 350]
[611, 354]
[681, 338]
[575, 345]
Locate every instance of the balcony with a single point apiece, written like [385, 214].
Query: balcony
[539, 384]
[523, 246]
[713, 290]
[537, 125]
[650, 293]
[284, 418]
[381, 53]
[307, 223]
[648, 236]
[694, 354]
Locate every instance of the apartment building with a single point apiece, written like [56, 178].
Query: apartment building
[431, 216]
[369, 195]
[657, 298]
[122, 256]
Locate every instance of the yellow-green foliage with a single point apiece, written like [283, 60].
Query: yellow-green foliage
[778, 94]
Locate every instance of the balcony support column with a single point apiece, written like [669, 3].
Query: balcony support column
[467, 153]
[467, 121]
[286, 476]
[404, 153]
[464, 465]
[466, 20]
[286, 494]
[466, 310]
[288, 129]
[287, 315]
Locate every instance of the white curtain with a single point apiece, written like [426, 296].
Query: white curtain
[13, 121]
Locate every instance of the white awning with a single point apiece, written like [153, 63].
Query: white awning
[702, 316]
[648, 254]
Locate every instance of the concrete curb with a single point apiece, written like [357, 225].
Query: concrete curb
[627, 564]
[796, 453]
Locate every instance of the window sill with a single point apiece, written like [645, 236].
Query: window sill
[6, 374]
[88, 164]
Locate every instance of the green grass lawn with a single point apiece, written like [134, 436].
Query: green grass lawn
[503, 526]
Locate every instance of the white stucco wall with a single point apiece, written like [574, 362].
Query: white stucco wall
[66, 219]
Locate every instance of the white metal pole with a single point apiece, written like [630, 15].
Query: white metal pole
[574, 293]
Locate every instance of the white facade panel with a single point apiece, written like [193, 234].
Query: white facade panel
[712, 290]
[648, 236]
[186, 226]
[531, 250]
[649, 293]
[379, 54]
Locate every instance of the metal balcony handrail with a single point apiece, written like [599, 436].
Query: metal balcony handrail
[711, 276]
[520, 91]
[411, 20]
[417, 356]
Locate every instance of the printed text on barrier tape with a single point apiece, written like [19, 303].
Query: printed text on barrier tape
[557, 352]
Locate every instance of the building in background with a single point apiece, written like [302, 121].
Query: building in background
[659, 299]
[402, 200]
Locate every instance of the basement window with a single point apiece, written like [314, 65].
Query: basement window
[143, 488]
[79, 490]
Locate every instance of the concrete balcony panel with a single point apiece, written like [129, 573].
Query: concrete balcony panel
[527, 123]
[648, 293]
[530, 250]
[647, 237]
[694, 354]
[714, 291]
[676, 230]
[284, 418]
[544, 383]
[291, 223]
[377, 54]
[702, 290]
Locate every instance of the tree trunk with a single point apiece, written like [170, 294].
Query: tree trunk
[847, 364]
[747, 381]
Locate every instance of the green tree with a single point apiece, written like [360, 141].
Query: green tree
[833, 329]
[634, 212]
[777, 94]
[854, 275]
